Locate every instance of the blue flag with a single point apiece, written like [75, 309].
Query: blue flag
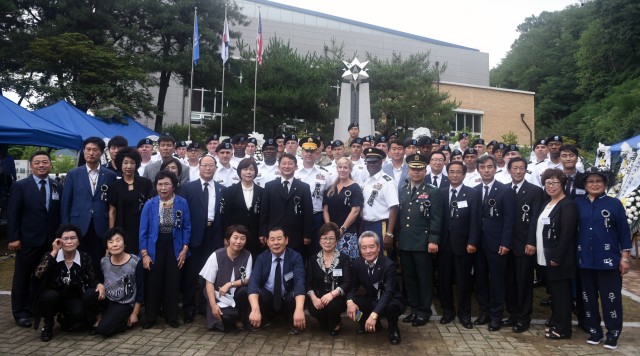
[196, 41]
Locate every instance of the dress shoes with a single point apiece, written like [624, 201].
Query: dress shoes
[466, 323]
[47, 333]
[173, 323]
[549, 323]
[420, 321]
[538, 283]
[511, 321]
[482, 320]
[188, 317]
[23, 322]
[520, 328]
[148, 324]
[546, 302]
[446, 319]
[495, 325]
[394, 336]
[409, 318]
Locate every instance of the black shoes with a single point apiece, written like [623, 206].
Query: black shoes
[47, 333]
[188, 317]
[409, 318]
[466, 323]
[546, 302]
[482, 320]
[148, 324]
[23, 322]
[538, 283]
[520, 328]
[420, 321]
[495, 325]
[336, 331]
[394, 336]
[446, 319]
[173, 323]
[511, 321]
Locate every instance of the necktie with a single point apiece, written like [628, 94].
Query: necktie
[414, 190]
[569, 187]
[285, 186]
[515, 188]
[206, 195]
[43, 191]
[370, 270]
[486, 194]
[277, 286]
[435, 181]
[453, 194]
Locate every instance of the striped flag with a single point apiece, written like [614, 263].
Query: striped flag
[224, 48]
[259, 47]
[196, 41]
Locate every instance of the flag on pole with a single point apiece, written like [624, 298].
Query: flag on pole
[196, 41]
[224, 48]
[259, 40]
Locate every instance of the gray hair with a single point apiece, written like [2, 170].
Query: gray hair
[369, 234]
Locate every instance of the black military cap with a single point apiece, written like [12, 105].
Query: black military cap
[541, 141]
[225, 145]
[478, 141]
[239, 138]
[291, 137]
[213, 137]
[357, 141]
[410, 142]
[353, 124]
[193, 146]
[270, 142]
[462, 135]
[337, 143]
[469, 151]
[510, 148]
[280, 136]
[498, 146]
[382, 139]
[417, 161]
[145, 141]
[181, 144]
[424, 140]
[252, 140]
[556, 138]
[372, 154]
[446, 148]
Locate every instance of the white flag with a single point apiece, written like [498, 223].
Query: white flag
[224, 48]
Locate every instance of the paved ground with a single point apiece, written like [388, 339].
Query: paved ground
[195, 339]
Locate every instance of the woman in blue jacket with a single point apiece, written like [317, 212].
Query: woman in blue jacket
[165, 231]
[603, 251]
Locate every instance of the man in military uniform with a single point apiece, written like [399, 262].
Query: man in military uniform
[319, 181]
[354, 132]
[181, 151]
[463, 141]
[472, 178]
[268, 167]
[226, 173]
[291, 145]
[211, 143]
[359, 171]
[420, 218]
[380, 199]
[239, 143]
[410, 146]
[478, 144]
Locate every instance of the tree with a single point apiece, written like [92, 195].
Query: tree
[403, 94]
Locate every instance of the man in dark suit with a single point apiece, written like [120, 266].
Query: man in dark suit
[286, 202]
[498, 210]
[459, 242]
[166, 149]
[420, 216]
[376, 274]
[522, 257]
[277, 284]
[84, 200]
[204, 197]
[32, 219]
[435, 175]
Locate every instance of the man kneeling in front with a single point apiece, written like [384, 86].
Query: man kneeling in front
[277, 285]
[382, 299]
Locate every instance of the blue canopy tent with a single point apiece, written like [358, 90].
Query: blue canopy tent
[18, 126]
[633, 142]
[73, 119]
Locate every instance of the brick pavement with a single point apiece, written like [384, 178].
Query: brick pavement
[195, 339]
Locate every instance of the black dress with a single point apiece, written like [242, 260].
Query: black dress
[339, 206]
[128, 204]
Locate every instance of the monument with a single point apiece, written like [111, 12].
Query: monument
[355, 104]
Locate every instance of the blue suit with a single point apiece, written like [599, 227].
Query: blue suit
[498, 217]
[79, 206]
[150, 225]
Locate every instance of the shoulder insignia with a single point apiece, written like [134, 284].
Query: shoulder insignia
[431, 186]
[322, 169]
[528, 172]
[387, 178]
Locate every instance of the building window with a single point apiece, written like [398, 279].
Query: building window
[469, 121]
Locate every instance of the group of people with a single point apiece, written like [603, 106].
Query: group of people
[241, 235]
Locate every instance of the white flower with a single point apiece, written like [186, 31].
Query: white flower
[633, 209]
[629, 221]
[638, 204]
[627, 203]
[631, 199]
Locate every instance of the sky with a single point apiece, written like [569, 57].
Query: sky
[489, 26]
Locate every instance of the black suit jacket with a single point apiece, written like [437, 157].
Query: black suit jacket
[529, 197]
[564, 225]
[27, 217]
[382, 279]
[293, 212]
[442, 183]
[497, 229]
[464, 227]
[235, 212]
[192, 192]
[578, 184]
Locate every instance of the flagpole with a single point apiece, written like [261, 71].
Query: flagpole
[193, 49]
[259, 48]
[223, 63]
[255, 87]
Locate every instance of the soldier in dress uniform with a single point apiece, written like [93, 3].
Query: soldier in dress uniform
[239, 143]
[420, 219]
[226, 173]
[472, 178]
[359, 171]
[478, 144]
[268, 167]
[319, 180]
[380, 199]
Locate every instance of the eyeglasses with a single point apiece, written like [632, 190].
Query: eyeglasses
[70, 238]
[551, 184]
[327, 239]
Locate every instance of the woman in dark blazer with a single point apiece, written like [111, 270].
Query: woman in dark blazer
[127, 196]
[328, 280]
[241, 205]
[557, 223]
